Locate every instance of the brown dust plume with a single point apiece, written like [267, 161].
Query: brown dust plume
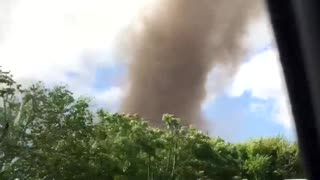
[176, 45]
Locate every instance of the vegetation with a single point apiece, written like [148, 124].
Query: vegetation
[49, 134]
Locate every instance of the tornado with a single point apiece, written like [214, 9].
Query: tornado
[172, 48]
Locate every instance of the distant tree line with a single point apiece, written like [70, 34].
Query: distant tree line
[50, 134]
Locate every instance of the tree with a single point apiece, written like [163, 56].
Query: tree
[272, 158]
[49, 134]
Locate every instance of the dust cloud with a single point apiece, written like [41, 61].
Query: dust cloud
[174, 46]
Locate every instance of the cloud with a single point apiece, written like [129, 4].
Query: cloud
[262, 77]
[63, 42]
[259, 33]
[110, 98]
[47, 38]
[217, 81]
[257, 37]
[5, 12]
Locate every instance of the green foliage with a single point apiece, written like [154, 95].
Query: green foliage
[48, 134]
[273, 158]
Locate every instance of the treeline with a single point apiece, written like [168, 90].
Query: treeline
[49, 134]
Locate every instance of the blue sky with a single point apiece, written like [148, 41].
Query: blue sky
[74, 42]
[237, 121]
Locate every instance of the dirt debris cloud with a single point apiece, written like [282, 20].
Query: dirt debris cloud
[173, 48]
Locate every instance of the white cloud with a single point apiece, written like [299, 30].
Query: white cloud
[5, 9]
[262, 76]
[257, 37]
[110, 98]
[46, 39]
[259, 33]
[217, 81]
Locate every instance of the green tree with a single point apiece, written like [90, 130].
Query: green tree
[271, 158]
[50, 134]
